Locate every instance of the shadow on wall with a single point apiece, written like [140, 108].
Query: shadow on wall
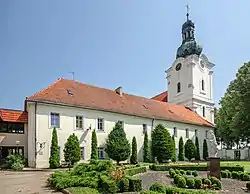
[83, 137]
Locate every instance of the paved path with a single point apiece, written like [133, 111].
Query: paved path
[24, 183]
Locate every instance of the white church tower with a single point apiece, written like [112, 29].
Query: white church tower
[190, 78]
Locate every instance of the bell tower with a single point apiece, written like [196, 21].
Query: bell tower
[190, 77]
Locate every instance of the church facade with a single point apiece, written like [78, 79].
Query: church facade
[186, 109]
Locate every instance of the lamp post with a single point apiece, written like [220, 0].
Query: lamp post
[17, 144]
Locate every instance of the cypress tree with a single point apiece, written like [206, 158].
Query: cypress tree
[72, 150]
[94, 149]
[162, 146]
[133, 158]
[117, 146]
[189, 149]
[205, 150]
[54, 159]
[197, 151]
[146, 148]
[174, 151]
[181, 150]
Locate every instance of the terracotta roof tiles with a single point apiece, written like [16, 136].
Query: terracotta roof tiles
[8, 115]
[161, 97]
[87, 96]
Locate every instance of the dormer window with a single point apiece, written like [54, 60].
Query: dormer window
[178, 87]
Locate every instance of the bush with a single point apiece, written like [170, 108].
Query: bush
[174, 151]
[190, 183]
[248, 186]
[94, 149]
[176, 178]
[83, 190]
[197, 149]
[172, 173]
[146, 148]
[224, 174]
[157, 187]
[133, 158]
[134, 171]
[235, 175]
[195, 173]
[72, 151]
[123, 185]
[162, 146]
[189, 149]
[181, 182]
[15, 162]
[177, 171]
[246, 177]
[205, 150]
[240, 175]
[207, 182]
[54, 159]
[188, 172]
[135, 184]
[216, 181]
[229, 174]
[197, 183]
[182, 172]
[174, 190]
[117, 146]
[232, 168]
[107, 185]
[181, 150]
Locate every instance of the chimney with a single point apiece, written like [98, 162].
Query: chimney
[119, 91]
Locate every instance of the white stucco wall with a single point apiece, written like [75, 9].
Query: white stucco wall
[190, 76]
[9, 139]
[133, 126]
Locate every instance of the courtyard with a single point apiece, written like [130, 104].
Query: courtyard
[24, 182]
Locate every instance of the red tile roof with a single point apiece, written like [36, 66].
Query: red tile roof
[13, 116]
[87, 96]
[161, 97]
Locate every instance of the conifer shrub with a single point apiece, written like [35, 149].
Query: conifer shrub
[181, 182]
[235, 175]
[181, 150]
[54, 159]
[174, 151]
[205, 150]
[146, 157]
[172, 173]
[190, 183]
[177, 171]
[246, 177]
[182, 172]
[157, 187]
[162, 146]
[207, 182]
[176, 178]
[133, 158]
[197, 149]
[197, 183]
[240, 175]
[216, 182]
[189, 149]
[107, 185]
[195, 173]
[224, 174]
[117, 146]
[72, 150]
[94, 148]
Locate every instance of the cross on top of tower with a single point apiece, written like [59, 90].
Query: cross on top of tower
[187, 11]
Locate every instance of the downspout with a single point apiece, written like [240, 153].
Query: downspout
[35, 133]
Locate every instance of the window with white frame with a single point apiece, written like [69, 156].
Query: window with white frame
[79, 122]
[187, 133]
[100, 124]
[55, 120]
[144, 126]
[175, 131]
[101, 153]
[82, 153]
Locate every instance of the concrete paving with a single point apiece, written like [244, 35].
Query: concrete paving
[24, 182]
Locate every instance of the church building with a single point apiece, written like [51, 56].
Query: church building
[186, 109]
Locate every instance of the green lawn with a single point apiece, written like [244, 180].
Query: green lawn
[82, 190]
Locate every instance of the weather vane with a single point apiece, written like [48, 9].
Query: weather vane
[187, 11]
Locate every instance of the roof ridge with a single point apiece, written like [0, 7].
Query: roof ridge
[42, 90]
[159, 94]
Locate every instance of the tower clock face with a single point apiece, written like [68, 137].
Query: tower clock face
[178, 67]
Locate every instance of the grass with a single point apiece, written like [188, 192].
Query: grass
[82, 190]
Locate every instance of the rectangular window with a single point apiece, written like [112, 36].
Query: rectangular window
[203, 111]
[144, 126]
[6, 127]
[187, 133]
[82, 153]
[100, 124]
[175, 131]
[196, 133]
[55, 120]
[79, 122]
[100, 153]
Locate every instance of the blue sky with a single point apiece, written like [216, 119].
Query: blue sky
[113, 43]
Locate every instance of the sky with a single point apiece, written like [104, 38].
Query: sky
[113, 43]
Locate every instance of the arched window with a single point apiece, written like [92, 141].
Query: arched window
[178, 87]
[202, 85]
[203, 111]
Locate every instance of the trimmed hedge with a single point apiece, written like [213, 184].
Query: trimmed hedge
[157, 187]
[174, 190]
[181, 182]
[197, 183]
[135, 184]
[190, 183]
[107, 185]
[83, 190]
[192, 167]
[123, 185]
[134, 171]
[216, 182]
